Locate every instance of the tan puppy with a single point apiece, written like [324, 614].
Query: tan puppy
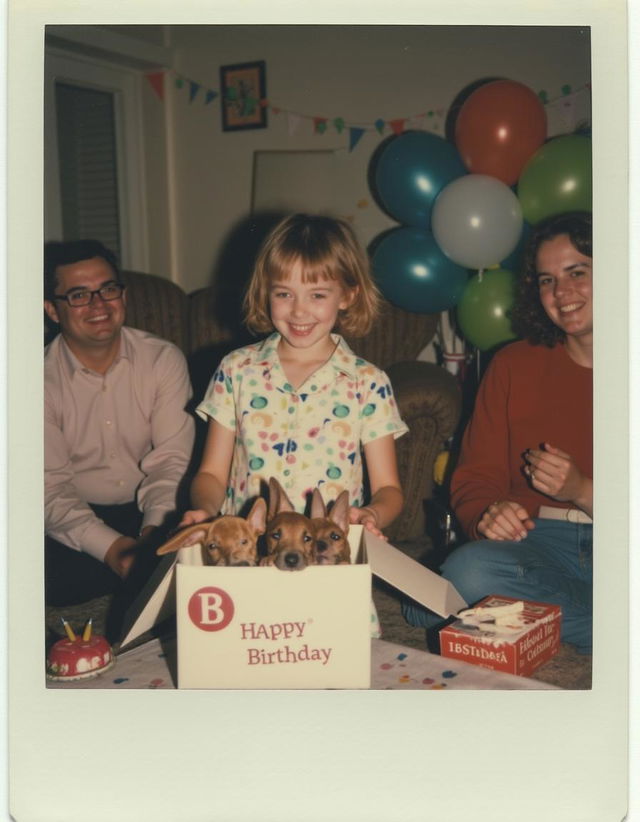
[289, 535]
[226, 540]
[330, 530]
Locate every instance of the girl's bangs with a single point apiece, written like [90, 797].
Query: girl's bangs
[280, 268]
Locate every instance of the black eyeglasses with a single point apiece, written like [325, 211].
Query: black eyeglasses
[76, 299]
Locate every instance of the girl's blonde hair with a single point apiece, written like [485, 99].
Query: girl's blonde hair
[327, 249]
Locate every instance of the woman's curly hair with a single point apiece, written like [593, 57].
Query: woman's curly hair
[529, 320]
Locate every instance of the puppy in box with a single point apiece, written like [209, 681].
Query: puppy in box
[289, 535]
[330, 530]
[226, 540]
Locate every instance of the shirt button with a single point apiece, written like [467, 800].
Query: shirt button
[108, 422]
[112, 455]
[120, 482]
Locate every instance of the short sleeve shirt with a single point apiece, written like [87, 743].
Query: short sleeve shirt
[306, 438]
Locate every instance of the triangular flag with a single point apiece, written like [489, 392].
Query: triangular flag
[194, 88]
[354, 137]
[319, 125]
[339, 124]
[179, 82]
[293, 122]
[211, 95]
[379, 124]
[397, 126]
[156, 80]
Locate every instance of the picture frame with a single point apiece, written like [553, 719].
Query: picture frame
[243, 90]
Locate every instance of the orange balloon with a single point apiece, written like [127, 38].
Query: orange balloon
[499, 127]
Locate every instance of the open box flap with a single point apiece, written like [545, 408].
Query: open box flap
[157, 599]
[391, 565]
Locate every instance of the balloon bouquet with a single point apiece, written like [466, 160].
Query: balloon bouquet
[459, 210]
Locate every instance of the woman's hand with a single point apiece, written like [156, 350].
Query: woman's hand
[554, 473]
[368, 518]
[505, 520]
[193, 517]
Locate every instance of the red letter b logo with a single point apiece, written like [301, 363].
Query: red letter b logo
[211, 609]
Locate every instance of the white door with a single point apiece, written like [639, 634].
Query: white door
[92, 165]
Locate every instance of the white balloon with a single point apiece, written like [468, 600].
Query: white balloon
[477, 221]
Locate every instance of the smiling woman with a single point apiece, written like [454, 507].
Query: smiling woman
[523, 487]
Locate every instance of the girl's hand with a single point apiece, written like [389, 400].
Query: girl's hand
[193, 517]
[554, 473]
[366, 517]
[505, 520]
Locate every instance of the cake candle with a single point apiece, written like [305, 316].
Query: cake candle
[68, 629]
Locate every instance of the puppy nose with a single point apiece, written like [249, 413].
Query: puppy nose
[321, 545]
[291, 559]
[242, 562]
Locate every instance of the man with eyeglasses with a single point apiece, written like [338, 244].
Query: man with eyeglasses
[117, 436]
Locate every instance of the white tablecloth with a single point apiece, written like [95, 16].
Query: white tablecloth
[393, 667]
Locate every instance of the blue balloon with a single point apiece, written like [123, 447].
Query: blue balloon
[515, 261]
[413, 273]
[410, 173]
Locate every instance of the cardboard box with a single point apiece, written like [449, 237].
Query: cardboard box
[265, 628]
[517, 653]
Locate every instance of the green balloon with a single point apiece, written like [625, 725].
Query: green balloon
[482, 310]
[557, 179]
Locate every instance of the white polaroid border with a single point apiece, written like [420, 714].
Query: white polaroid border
[317, 755]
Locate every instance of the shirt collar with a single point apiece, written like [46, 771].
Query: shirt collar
[342, 361]
[72, 364]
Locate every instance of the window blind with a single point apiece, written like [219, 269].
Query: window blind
[86, 131]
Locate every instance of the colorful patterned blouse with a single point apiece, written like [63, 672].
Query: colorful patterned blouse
[307, 438]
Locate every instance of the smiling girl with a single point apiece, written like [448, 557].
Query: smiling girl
[300, 406]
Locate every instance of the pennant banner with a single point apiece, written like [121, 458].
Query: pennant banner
[429, 120]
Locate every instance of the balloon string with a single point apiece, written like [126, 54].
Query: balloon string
[480, 273]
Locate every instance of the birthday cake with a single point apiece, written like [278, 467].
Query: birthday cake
[79, 658]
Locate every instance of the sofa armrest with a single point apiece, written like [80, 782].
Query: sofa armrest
[429, 401]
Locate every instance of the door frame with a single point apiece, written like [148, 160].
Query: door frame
[124, 84]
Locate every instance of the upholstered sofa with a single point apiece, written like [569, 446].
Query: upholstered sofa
[207, 324]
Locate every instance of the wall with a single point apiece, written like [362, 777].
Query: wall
[358, 73]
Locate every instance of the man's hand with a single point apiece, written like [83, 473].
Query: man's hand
[120, 555]
[505, 520]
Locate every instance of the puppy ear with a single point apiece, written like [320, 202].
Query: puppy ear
[318, 509]
[278, 499]
[192, 535]
[340, 511]
[257, 516]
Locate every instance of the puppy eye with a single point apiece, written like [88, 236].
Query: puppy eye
[307, 538]
[275, 535]
[244, 541]
[212, 545]
[335, 536]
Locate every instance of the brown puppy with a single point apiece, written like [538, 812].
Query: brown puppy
[289, 535]
[330, 530]
[226, 540]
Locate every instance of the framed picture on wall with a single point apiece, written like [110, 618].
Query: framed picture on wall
[243, 89]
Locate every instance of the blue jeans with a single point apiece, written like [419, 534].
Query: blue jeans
[554, 563]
